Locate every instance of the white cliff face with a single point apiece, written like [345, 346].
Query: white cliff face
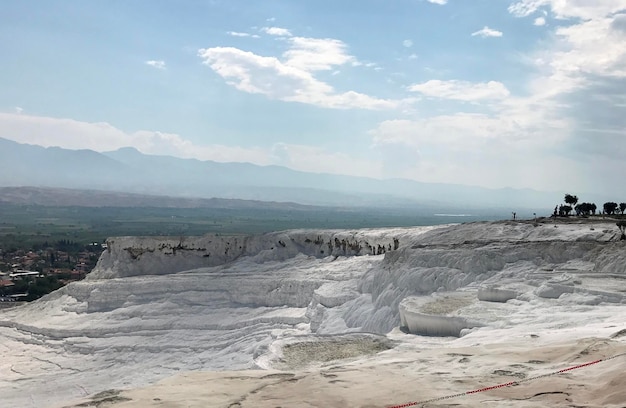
[156, 306]
[132, 256]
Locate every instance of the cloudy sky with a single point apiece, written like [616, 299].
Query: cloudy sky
[527, 93]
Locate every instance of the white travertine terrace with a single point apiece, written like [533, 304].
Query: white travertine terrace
[153, 307]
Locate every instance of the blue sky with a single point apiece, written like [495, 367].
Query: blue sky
[527, 93]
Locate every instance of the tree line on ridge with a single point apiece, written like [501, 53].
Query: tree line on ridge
[586, 209]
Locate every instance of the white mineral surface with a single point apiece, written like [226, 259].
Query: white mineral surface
[321, 318]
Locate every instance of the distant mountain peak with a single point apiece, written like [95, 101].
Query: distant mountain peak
[125, 150]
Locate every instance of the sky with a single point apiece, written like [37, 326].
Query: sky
[494, 93]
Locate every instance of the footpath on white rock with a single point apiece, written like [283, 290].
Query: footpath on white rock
[308, 302]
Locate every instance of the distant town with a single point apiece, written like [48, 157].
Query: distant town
[28, 274]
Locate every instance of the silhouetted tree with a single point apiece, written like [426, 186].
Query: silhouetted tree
[622, 207]
[585, 209]
[567, 209]
[571, 200]
[610, 207]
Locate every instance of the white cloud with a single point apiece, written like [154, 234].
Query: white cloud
[240, 34]
[277, 31]
[374, 65]
[525, 138]
[487, 32]
[580, 54]
[315, 54]
[413, 56]
[587, 53]
[583, 9]
[158, 64]
[460, 131]
[526, 7]
[466, 148]
[407, 43]
[592, 46]
[540, 21]
[461, 90]
[440, 2]
[291, 79]
[19, 110]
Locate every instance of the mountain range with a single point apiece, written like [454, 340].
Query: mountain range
[129, 171]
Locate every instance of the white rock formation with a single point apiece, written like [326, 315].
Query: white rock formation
[153, 307]
[492, 294]
[132, 256]
[435, 316]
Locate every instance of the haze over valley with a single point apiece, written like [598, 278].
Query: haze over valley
[127, 170]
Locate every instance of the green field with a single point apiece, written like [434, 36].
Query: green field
[25, 226]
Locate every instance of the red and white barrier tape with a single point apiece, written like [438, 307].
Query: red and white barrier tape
[508, 384]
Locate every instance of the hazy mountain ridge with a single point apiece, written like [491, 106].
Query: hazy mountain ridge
[65, 197]
[128, 170]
